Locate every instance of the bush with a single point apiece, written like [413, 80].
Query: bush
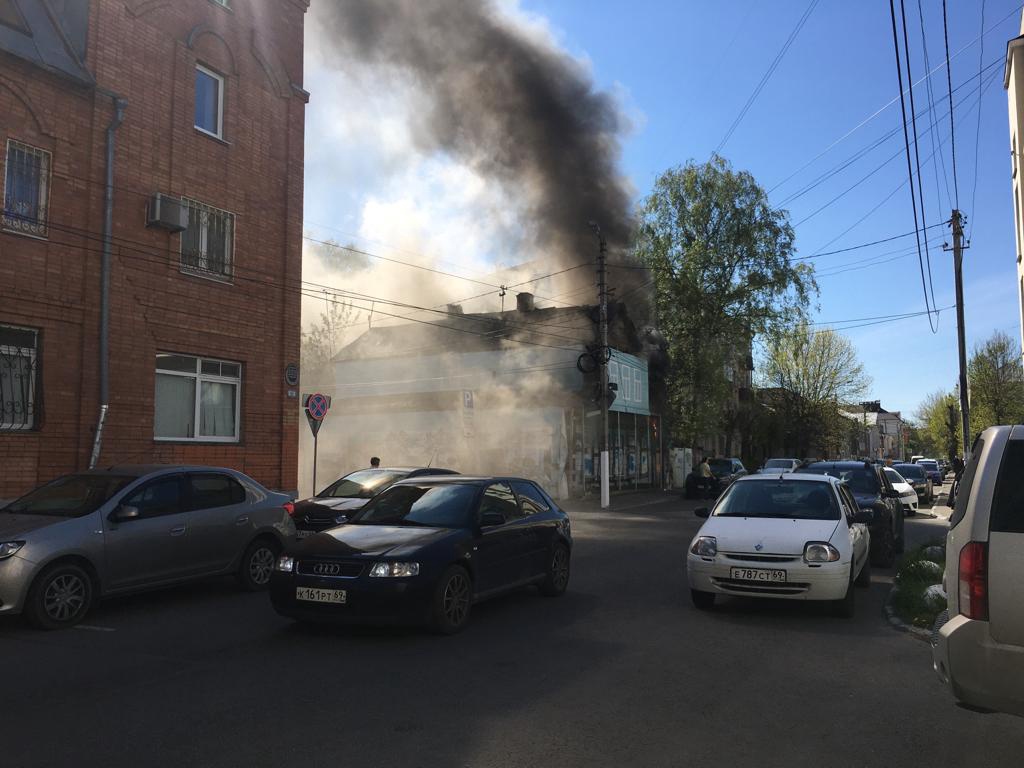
[917, 596]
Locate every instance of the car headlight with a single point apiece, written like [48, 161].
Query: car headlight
[705, 546]
[285, 564]
[384, 570]
[8, 548]
[820, 552]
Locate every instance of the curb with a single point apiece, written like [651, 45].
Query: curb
[897, 623]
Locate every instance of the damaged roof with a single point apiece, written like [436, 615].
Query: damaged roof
[51, 34]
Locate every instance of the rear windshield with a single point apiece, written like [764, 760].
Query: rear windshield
[70, 496]
[720, 466]
[778, 464]
[364, 484]
[928, 464]
[789, 499]
[859, 479]
[963, 489]
[441, 506]
[910, 471]
[1008, 501]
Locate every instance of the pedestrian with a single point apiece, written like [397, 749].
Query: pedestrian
[375, 462]
[707, 477]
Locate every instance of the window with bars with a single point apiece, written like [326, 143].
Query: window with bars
[207, 246]
[19, 378]
[26, 188]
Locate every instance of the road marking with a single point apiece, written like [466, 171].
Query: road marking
[93, 628]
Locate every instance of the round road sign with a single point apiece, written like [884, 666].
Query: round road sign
[317, 406]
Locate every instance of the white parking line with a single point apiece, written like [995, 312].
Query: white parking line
[93, 628]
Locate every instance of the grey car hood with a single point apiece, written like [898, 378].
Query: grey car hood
[344, 504]
[13, 525]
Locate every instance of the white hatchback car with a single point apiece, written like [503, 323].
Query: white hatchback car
[908, 496]
[791, 536]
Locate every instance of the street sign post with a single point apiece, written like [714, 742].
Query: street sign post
[316, 406]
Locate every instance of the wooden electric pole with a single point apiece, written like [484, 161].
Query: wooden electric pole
[958, 275]
[605, 354]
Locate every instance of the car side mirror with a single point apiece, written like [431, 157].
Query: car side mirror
[488, 519]
[124, 513]
[702, 511]
[864, 516]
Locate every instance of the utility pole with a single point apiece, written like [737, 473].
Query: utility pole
[958, 273]
[605, 352]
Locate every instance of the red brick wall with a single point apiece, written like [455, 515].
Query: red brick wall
[141, 50]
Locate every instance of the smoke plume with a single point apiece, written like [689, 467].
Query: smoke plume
[504, 102]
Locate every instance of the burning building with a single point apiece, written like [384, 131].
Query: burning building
[511, 392]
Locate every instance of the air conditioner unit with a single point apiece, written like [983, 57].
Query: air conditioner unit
[166, 213]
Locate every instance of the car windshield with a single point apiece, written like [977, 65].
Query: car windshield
[790, 499]
[778, 464]
[910, 471]
[440, 506]
[928, 464]
[69, 496]
[720, 466]
[894, 476]
[860, 480]
[364, 484]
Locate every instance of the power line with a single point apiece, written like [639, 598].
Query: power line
[930, 92]
[977, 132]
[865, 245]
[767, 76]
[949, 86]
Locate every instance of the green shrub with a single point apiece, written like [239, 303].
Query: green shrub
[915, 573]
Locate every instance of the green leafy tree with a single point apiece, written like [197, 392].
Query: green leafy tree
[996, 383]
[938, 420]
[815, 372]
[322, 341]
[722, 264]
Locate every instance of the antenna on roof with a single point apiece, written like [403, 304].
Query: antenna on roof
[432, 457]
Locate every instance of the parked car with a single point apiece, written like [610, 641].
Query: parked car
[872, 491]
[915, 459]
[424, 551]
[796, 537]
[978, 643]
[158, 525]
[908, 496]
[931, 468]
[727, 470]
[918, 480]
[339, 500]
[779, 466]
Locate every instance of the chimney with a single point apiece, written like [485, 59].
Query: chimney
[524, 302]
[455, 309]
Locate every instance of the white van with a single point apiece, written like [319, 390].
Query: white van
[978, 643]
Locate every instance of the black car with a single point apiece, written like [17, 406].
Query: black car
[872, 491]
[341, 499]
[424, 551]
[919, 481]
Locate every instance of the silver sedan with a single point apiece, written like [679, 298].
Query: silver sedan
[92, 534]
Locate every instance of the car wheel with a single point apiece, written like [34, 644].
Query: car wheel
[257, 564]
[864, 577]
[844, 608]
[884, 552]
[557, 578]
[704, 601]
[453, 598]
[60, 597]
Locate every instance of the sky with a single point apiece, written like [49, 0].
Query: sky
[680, 73]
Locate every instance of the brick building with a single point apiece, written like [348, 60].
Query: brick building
[202, 104]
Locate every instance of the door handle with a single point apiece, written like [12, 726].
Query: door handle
[178, 530]
[241, 520]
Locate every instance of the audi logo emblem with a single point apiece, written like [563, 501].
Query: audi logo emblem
[326, 569]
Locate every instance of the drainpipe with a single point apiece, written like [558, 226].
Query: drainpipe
[108, 228]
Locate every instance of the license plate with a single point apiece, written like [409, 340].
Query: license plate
[757, 574]
[301, 534]
[314, 595]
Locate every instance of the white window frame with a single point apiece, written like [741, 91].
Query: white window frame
[205, 271]
[33, 394]
[200, 377]
[17, 226]
[220, 100]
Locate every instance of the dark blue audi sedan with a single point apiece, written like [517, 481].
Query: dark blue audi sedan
[424, 551]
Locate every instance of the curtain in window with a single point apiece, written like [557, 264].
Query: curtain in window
[21, 201]
[174, 408]
[217, 409]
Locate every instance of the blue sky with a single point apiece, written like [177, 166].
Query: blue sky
[682, 71]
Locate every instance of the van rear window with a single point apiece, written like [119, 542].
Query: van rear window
[1008, 501]
[963, 491]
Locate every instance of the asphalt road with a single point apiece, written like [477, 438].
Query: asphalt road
[619, 671]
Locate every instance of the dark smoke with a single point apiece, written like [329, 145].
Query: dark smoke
[515, 110]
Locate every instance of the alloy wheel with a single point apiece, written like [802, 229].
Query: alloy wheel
[260, 566]
[560, 568]
[65, 597]
[456, 599]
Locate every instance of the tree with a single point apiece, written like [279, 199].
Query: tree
[721, 261]
[996, 383]
[938, 419]
[815, 372]
[322, 342]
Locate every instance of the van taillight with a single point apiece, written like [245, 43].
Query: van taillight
[289, 508]
[974, 580]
